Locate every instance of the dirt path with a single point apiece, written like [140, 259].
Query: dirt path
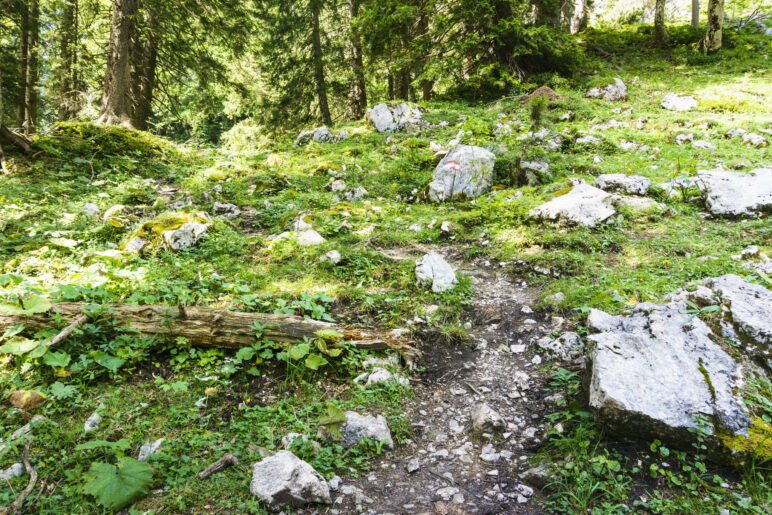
[446, 468]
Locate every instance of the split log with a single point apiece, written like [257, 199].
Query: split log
[8, 137]
[226, 461]
[215, 327]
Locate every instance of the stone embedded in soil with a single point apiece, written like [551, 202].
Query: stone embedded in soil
[149, 448]
[432, 269]
[465, 171]
[584, 205]
[401, 117]
[655, 372]
[568, 346]
[184, 237]
[359, 426]
[15, 470]
[284, 479]
[92, 422]
[612, 92]
[675, 102]
[735, 193]
[485, 418]
[621, 183]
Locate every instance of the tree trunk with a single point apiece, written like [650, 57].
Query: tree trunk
[31, 90]
[21, 115]
[116, 95]
[318, 57]
[713, 33]
[579, 19]
[390, 85]
[68, 100]
[3, 168]
[358, 96]
[212, 327]
[144, 60]
[696, 14]
[660, 30]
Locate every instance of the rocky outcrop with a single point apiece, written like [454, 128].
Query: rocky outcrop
[283, 479]
[400, 117]
[736, 194]
[465, 171]
[657, 373]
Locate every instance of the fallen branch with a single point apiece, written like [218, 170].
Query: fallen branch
[15, 506]
[226, 461]
[23, 430]
[213, 327]
[67, 331]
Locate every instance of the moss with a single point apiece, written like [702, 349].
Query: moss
[89, 138]
[706, 375]
[152, 230]
[759, 441]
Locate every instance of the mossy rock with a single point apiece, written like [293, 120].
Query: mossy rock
[757, 446]
[88, 138]
[152, 231]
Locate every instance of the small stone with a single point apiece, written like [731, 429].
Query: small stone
[91, 210]
[433, 269]
[485, 418]
[284, 479]
[149, 448]
[333, 257]
[413, 465]
[92, 422]
[359, 426]
[15, 470]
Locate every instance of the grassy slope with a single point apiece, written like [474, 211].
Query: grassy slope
[639, 259]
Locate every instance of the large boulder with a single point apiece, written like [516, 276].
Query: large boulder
[584, 205]
[465, 170]
[284, 479]
[621, 183]
[734, 193]
[432, 269]
[656, 373]
[400, 117]
[612, 92]
[675, 102]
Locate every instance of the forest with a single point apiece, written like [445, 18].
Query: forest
[395, 256]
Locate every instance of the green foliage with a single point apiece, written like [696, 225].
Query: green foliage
[117, 486]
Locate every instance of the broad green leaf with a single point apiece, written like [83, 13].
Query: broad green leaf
[121, 444]
[334, 418]
[62, 391]
[56, 359]
[30, 305]
[12, 331]
[111, 363]
[329, 334]
[115, 487]
[64, 242]
[299, 351]
[19, 346]
[314, 361]
[245, 353]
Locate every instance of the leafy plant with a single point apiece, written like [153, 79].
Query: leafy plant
[117, 486]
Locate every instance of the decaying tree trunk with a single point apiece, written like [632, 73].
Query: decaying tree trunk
[8, 137]
[213, 327]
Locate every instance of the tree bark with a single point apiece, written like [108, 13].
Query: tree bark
[714, 32]
[68, 101]
[31, 86]
[696, 14]
[358, 95]
[116, 95]
[8, 137]
[579, 19]
[660, 30]
[144, 61]
[21, 115]
[211, 327]
[318, 58]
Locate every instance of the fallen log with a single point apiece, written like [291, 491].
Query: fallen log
[212, 327]
[8, 137]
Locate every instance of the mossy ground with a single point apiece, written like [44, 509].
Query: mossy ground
[642, 258]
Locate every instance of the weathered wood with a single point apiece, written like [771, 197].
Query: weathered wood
[226, 461]
[8, 137]
[215, 327]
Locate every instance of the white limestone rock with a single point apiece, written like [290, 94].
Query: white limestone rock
[613, 92]
[283, 479]
[359, 426]
[675, 102]
[584, 205]
[621, 183]
[734, 193]
[385, 118]
[465, 170]
[432, 269]
[184, 237]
